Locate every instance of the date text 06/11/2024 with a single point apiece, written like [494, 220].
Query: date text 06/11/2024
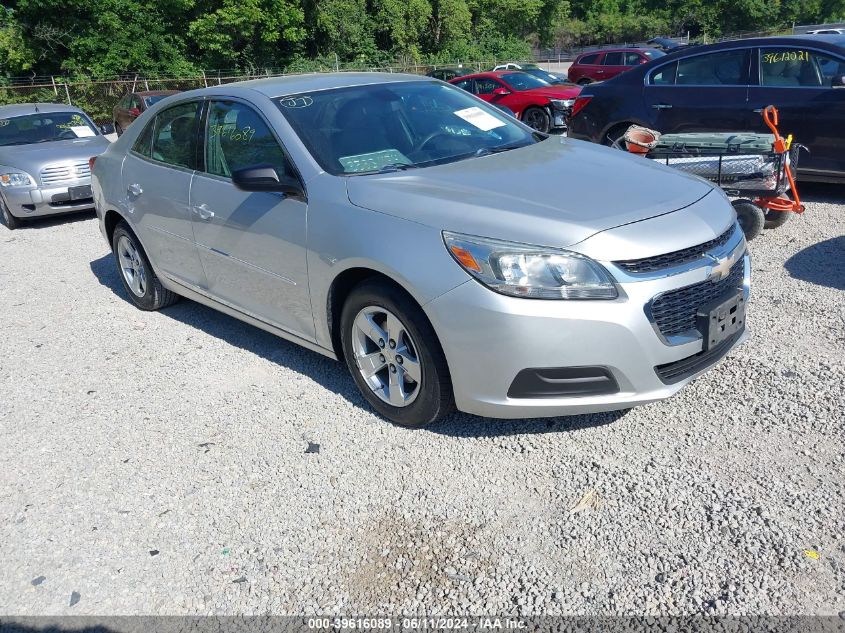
[417, 623]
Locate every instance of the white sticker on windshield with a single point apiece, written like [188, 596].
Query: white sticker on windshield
[479, 118]
[82, 131]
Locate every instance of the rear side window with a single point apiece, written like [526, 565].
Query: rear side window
[632, 59]
[724, 68]
[589, 59]
[143, 143]
[665, 75]
[792, 67]
[613, 59]
[175, 136]
[237, 137]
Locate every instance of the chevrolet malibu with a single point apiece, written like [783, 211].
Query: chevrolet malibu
[419, 234]
[44, 153]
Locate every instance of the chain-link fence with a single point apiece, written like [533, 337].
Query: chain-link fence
[99, 97]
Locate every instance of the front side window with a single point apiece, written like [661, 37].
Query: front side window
[45, 128]
[237, 137]
[632, 59]
[665, 75]
[795, 67]
[724, 68]
[589, 59]
[401, 125]
[175, 137]
[486, 86]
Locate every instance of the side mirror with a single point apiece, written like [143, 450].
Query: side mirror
[838, 81]
[501, 92]
[136, 112]
[266, 178]
[107, 128]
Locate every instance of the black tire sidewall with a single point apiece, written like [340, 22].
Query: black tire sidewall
[751, 218]
[9, 220]
[148, 301]
[435, 397]
[774, 219]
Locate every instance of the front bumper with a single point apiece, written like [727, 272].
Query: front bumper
[45, 200]
[490, 338]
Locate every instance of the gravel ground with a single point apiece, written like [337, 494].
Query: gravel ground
[159, 463]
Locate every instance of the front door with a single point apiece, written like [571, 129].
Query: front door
[701, 93]
[799, 82]
[252, 244]
[157, 175]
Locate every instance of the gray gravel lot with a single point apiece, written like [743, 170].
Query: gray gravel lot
[156, 463]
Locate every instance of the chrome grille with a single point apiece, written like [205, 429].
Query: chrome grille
[64, 172]
[675, 258]
[675, 312]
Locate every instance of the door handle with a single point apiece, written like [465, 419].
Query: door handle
[134, 190]
[662, 106]
[758, 111]
[204, 212]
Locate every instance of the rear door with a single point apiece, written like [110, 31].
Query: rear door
[612, 65]
[587, 67]
[701, 93]
[799, 82]
[252, 244]
[157, 175]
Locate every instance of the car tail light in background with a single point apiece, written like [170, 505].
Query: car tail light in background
[580, 102]
[91, 162]
[135, 111]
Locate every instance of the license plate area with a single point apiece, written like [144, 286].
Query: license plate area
[722, 319]
[79, 193]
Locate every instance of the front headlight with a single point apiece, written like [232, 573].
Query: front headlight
[562, 104]
[16, 179]
[532, 272]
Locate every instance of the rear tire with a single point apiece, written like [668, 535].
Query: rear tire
[9, 220]
[538, 119]
[751, 218]
[386, 335]
[136, 273]
[774, 219]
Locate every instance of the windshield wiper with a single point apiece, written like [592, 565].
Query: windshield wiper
[486, 151]
[393, 167]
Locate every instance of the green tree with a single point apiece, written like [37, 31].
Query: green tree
[15, 55]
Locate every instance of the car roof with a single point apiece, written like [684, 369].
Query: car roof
[295, 84]
[156, 93]
[492, 73]
[621, 49]
[21, 109]
[834, 43]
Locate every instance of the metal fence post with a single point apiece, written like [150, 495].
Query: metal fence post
[67, 93]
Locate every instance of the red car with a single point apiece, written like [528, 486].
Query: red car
[133, 104]
[536, 102]
[606, 64]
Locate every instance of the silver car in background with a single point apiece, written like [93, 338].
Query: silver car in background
[452, 256]
[45, 150]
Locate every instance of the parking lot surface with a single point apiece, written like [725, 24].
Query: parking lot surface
[183, 462]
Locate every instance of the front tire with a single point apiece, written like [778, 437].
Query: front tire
[117, 129]
[139, 279]
[538, 119]
[751, 218]
[9, 220]
[394, 355]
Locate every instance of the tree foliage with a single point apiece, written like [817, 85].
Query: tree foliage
[108, 37]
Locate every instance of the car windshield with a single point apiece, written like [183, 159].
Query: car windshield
[397, 126]
[524, 81]
[44, 128]
[148, 101]
[654, 54]
[542, 74]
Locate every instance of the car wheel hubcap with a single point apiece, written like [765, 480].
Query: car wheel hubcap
[536, 120]
[131, 266]
[386, 356]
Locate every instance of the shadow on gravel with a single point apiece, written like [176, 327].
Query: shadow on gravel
[333, 375]
[824, 193]
[822, 264]
[57, 220]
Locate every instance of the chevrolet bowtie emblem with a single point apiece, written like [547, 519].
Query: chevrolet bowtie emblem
[722, 266]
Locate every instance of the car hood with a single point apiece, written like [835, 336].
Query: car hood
[555, 92]
[31, 158]
[558, 192]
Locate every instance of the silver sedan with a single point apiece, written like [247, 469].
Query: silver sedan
[450, 255]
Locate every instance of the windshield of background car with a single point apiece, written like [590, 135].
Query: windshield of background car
[654, 54]
[148, 101]
[44, 128]
[393, 126]
[542, 74]
[524, 81]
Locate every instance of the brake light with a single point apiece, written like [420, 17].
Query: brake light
[91, 163]
[580, 102]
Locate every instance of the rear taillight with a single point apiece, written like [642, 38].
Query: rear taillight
[91, 162]
[580, 102]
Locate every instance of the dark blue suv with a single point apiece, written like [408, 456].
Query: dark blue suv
[723, 88]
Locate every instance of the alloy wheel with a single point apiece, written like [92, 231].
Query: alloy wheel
[131, 266]
[536, 119]
[386, 356]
